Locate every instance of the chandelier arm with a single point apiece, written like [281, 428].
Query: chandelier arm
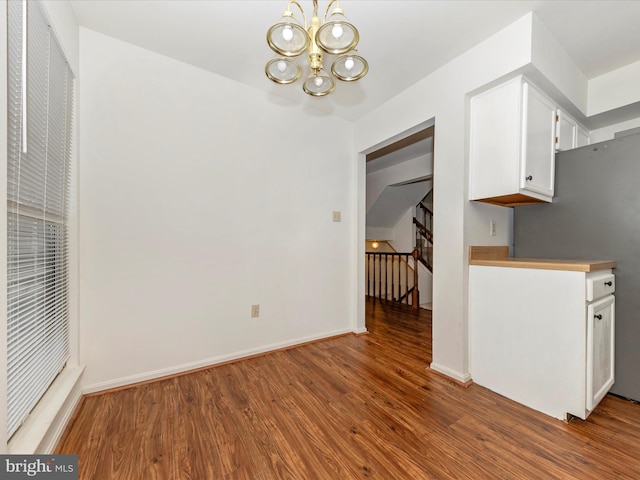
[294, 2]
[328, 7]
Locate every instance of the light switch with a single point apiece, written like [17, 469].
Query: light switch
[337, 216]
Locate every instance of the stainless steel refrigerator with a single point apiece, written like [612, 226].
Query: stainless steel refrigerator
[595, 214]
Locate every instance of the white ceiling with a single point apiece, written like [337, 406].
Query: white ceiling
[403, 41]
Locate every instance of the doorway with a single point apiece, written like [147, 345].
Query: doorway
[398, 178]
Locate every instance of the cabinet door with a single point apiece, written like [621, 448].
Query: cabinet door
[582, 137]
[494, 146]
[538, 142]
[566, 130]
[600, 349]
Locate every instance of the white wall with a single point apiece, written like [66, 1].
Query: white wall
[614, 89]
[564, 79]
[403, 238]
[443, 96]
[425, 284]
[379, 233]
[411, 169]
[192, 210]
[607, 133]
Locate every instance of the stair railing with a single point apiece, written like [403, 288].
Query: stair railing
[390, 277]
[424, 234]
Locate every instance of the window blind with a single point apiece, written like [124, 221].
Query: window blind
[40, 97]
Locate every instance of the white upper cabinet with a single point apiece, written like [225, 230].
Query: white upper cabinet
[566, 132]
[538, 156]
[569, 133]
[515, 130]
[583, 137]
[512, 145]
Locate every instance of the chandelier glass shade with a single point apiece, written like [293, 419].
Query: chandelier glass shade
[283, 70]
[318, 84]
[349, 67]
[335, 35]
[288, 37]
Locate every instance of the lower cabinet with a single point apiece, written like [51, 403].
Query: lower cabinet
[600, 349]
[544, 338]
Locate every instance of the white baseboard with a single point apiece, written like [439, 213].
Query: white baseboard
[458, 376]
[208, 362]
[360, 331]
[44, 426]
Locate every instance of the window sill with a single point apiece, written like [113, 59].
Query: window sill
[45, 424]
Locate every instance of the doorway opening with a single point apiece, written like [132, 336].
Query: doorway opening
[398, 220]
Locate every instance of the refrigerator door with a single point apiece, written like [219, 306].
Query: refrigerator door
[595, 214]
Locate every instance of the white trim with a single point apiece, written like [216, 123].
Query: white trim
[460, 377]
[46, 422]
[360, 184]
[54, 434]
[360, 331]
[208, 362]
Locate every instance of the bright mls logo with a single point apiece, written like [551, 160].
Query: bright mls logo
[50, 467]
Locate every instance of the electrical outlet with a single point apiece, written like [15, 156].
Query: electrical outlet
[255, 311]
[492, 228]
[337, 216]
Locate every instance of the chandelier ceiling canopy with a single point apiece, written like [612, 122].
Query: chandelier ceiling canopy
[335, 36]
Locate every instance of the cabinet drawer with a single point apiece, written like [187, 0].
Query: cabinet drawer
[600, 285]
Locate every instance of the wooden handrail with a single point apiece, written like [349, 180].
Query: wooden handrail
[424, 231]
[391, 254]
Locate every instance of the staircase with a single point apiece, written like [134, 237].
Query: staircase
[423, 222]
[393, 276]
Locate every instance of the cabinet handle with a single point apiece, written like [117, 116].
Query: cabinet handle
[599, 317]
[609, 284]
[529, 178]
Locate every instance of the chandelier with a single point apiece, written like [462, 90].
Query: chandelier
[334, 36]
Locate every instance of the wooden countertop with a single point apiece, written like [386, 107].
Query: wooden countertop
[499, 257]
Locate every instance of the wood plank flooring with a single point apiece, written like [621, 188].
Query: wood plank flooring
[346, 408]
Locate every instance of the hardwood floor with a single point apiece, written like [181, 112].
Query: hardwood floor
[345, 408]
